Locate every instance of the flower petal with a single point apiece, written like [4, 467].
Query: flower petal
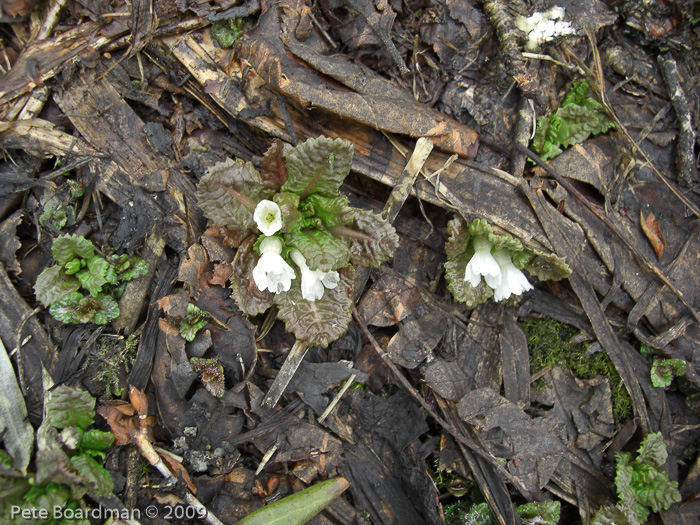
[268, 217]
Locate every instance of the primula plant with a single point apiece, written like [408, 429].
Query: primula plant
[81, 287]
[482, 264]
[298, 239]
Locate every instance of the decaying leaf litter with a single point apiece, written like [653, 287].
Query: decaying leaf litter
[135, 103]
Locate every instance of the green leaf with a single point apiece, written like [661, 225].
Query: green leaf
[332, 211]
[69, 247]
[93, 276]
[318, 322]
[78, 309]
[540, 512]
[93, 474]
[96, 440]
[663, 370]
[289, 204]
[244, 291]
[128, 267]
[479, 514]
[377, 241]
[226, 32]
[195, 320]
[653, 451]
[70, 407]
[74, 266]
[212, 375]
[576, 119]
[318, 166]
[298, 508]
[229, 192]
[610, 515]
[52, 284]
[322, 250]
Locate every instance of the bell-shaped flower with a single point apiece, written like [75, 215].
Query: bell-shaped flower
[314, 282]
[513, 281]
[272, 272]
[268, 217]
[482, 263]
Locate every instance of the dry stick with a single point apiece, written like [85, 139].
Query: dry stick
[685, 160]
[336, 399]
[440, 421]
[391, 210]
[601, 215]
[148, 452]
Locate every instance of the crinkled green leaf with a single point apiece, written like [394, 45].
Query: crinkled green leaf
[540, 512]
[652, 451]
[610, 515]
[318, 322]
[69, 247]
[70, 407]
[318, 166]
[377, 242]
[479, 514]
[273, 169]
[332, 211]
[663, 370]
[47, 497]
[321, 249]
[300, 507]
[577, 119]
[96, 440]
[79, 309]
[93, 474]
[289, 204]
[196, 320]
[225, 188]
[52, 284]
[127, 267]
[93, 276]
[244, 291]
[212, 375]
[74, 266]
[626, 494]
[546, 266]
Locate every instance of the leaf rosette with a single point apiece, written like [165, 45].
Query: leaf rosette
[320, 238]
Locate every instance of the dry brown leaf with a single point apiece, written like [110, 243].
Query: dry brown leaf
[179, 471]
[651, 229]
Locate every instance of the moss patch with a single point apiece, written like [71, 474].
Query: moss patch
[548, 343]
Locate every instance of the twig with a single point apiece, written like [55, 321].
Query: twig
[289, 368]
[148, 452]
[333, 403]
[685, 159]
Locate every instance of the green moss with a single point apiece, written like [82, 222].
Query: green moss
[548, 344]
[113, 357]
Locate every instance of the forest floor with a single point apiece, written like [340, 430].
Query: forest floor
[575, 401]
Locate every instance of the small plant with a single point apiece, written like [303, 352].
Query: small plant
[481, 264]
[663, 371]
[578, 117]
[81, 287]
[212, 374]
[641, 486]
[195, 320]
[298, 239]
[226, 32]
[67, 463]
[535, 513]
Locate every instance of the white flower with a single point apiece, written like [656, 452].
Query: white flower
[482, 263]
[314, 281]
[513, 281]
[272, 272]
[268, 217]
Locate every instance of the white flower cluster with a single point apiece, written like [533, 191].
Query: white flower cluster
[498, 271]
[272, 272]
[544, 26]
